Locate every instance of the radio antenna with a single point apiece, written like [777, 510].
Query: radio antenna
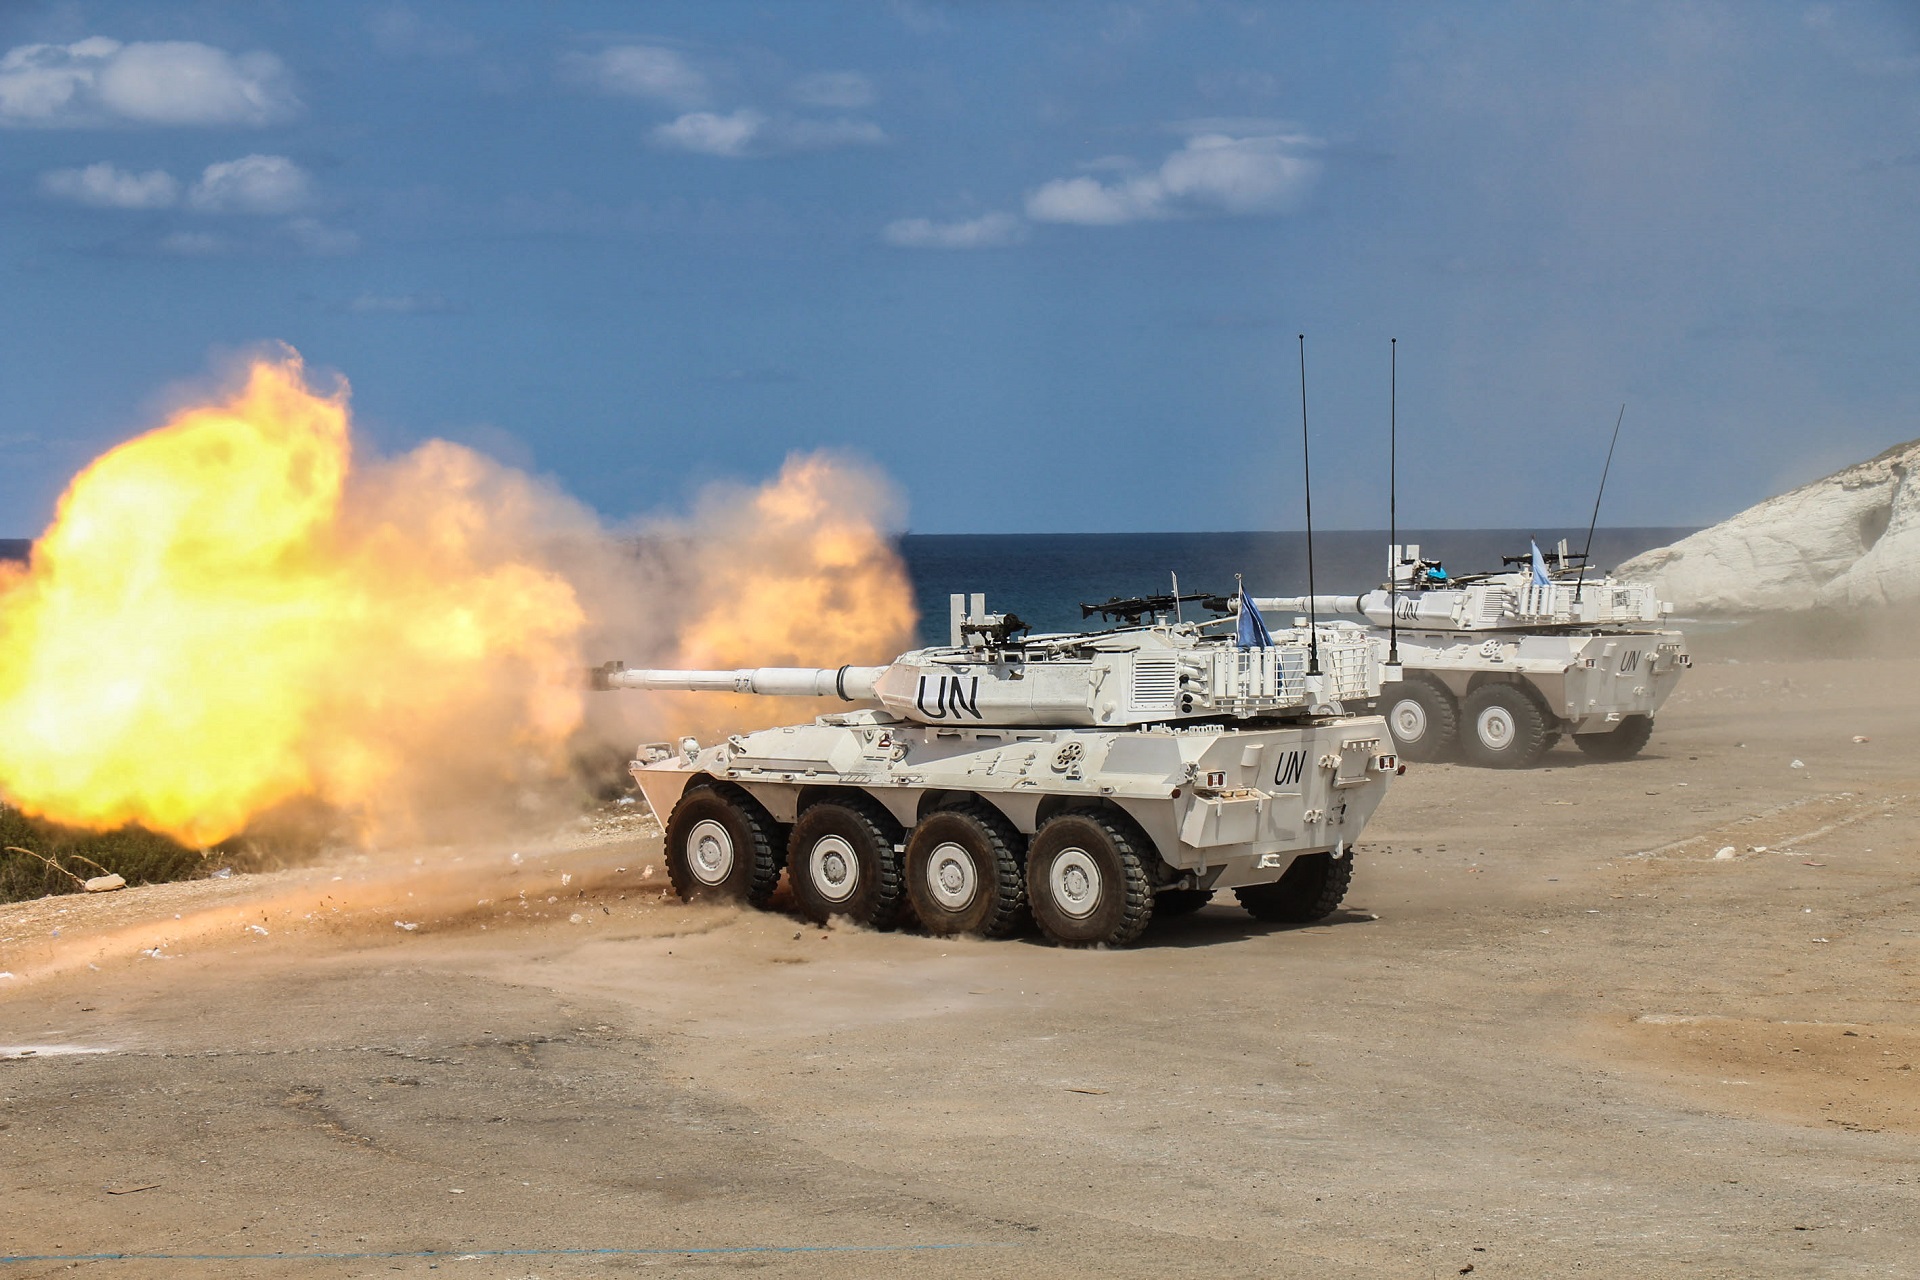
[1393, 493]
[1306, 477]
[1587, 555]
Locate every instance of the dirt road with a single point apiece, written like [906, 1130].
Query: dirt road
[1553, 1034]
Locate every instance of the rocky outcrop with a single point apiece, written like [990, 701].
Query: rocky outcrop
[1850, 540]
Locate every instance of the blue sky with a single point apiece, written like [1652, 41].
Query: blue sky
[1044, 263]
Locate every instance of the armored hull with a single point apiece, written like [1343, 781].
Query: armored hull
[1459, 692]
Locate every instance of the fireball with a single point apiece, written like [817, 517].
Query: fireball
[217, 623]
[232, 612]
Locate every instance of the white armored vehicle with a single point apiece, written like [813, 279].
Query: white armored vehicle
[1499, 665]
[1083, 781]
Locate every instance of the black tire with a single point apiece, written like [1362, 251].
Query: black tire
[1503, 726]
[964, 873]
[1087, 881]
[722, 845]
[1310, 890]
[1622, 742]
[1423, 718]
[1171, 904]
[841, 861]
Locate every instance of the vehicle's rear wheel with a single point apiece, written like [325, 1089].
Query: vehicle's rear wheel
[841, 861]
[722, 845]
[1622, 742]
[1310, 890]
[1505, 727]
[1087, 880]
[1170, 904]
[964, 874]
[1422, 716]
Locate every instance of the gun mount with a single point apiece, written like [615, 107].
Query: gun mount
[1080, 780]
[1133, 610]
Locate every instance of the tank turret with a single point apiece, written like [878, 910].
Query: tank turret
[1082, 782]
[1135, 675]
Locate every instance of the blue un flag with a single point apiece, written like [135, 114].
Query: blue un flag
[1253, 627]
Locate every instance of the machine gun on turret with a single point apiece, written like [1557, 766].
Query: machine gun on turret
[1131, 611]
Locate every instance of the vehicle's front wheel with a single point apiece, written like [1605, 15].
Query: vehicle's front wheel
[1087, 880]
[722, 845]
[1310, 890]
[1422, 716]
[841, 862]
[1505, 727]
[964, 874]
[1622, 742]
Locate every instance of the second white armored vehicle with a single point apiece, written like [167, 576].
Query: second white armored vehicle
[1080, 781]
[1497, 666]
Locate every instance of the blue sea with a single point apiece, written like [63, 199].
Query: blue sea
[1046, 577]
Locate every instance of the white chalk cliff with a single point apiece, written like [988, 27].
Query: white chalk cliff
[1852, 539]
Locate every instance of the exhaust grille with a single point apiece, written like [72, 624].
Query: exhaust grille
[1156, 684]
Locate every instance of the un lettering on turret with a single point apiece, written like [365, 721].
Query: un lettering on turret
[953, 697]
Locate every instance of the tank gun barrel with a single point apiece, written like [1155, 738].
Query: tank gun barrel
[851, 684]
[1300, 604]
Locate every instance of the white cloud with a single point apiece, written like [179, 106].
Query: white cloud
[193, 244]
[309, 235]
[988, 231]
[844, 89]
[399, 32]
[402, 304]
[99, 81]
[105, 187]
[296, 235]
[1213, 174]
[747, 132]
[825, 135]
[641, 71]
[711, 134]
[1088, 201]
[252, 184]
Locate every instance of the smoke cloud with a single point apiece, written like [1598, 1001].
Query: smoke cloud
[235, 614]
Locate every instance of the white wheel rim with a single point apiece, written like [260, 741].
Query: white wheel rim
[1409, 720]
[951, 877]
[833, 868]
[1074, 881]
[1496, 728]
[709, 852]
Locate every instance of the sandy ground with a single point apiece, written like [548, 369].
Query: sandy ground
[1553, 1034]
